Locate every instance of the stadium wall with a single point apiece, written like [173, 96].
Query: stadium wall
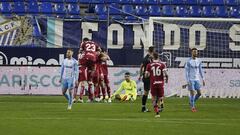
[28, 80]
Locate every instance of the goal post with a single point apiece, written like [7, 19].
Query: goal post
[217, 39]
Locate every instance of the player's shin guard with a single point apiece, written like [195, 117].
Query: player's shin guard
[75, 92]
[108, 90]
[70, 99]
[66, 96]
[90, 94]
[97, 91]
[81, 92]
[103, 89]
[192, 103]
[197, 97]
[144, 100]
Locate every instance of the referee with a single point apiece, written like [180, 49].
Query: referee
[146, 81]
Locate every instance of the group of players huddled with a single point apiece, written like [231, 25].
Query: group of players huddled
[91, 71]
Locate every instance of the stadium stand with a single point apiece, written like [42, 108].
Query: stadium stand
[118, 9]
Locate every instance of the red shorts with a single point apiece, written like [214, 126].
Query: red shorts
[157, 91]
[97, 77]
[82, 74]
[89, 60]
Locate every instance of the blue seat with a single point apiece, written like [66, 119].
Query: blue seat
[234, 11]
[98, 1]
[194, 11]
[114, 9]
[205, 2]
[165, 2]
[13, 0]
[178, 2]
[218, 2]
[102, 17]
[46, 8]
[154, 10]
[100, 9]
[125, 1]
[72, 1]
[19, 8]
[73, 9]
[60, 9]
[191, 2]
[168, 10]
[181, 11]
[33, 7]
[221, 11]
[6, 8]
[128, 9]
[84, 1]
[232, 2]
[138, 2]
[128, 17]
[58, 1]
[141, 10]
[117, 17]
[151, 2]
[44, 1]
[208, 11]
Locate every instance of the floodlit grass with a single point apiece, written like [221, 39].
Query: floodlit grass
[47, 115]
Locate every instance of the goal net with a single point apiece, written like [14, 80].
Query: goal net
[217, 39]
[218, 42]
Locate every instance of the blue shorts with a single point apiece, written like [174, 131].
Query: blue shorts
[67, 84]
[194, 85]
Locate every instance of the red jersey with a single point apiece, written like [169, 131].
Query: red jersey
[89, 46]
[80, 58]
[156, 73]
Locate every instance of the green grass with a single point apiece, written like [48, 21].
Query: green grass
[47, 115]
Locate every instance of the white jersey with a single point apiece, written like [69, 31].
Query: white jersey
[69, 69]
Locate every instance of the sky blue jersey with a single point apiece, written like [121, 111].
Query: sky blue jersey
[193, 70]
[69, 69]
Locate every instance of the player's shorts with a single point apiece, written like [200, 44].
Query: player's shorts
[194, 85]
[146, 83]
[97, 77]
[82, 74]
[89, 61]
[157, 91]
[67, 83]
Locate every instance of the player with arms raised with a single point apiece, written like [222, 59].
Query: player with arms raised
[156, 70]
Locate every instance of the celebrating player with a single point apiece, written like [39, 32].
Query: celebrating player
[82, 79]
[69, 75]
[101, 82]
[104, 67]
[156, 70]
[88, 49]
[146, 81]
[193, 72]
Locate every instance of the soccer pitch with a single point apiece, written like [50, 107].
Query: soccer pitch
[47, 115]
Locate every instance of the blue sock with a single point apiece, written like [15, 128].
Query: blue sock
[196, 97]
[66, 96]
[70, 99]
[192, 101]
